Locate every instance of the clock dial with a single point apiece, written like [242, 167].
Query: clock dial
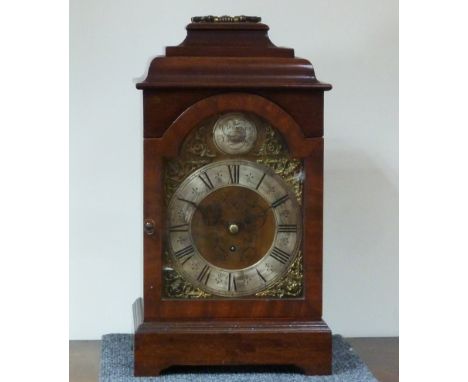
[234, 227]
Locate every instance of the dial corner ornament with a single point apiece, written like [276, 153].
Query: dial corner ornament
[234, 228]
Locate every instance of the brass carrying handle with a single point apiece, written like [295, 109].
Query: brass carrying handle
[226, 19]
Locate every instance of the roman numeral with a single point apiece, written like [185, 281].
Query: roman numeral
[179, 228]
[204, 274]
[234, 171]
[280, 255]
[181, 253]
[260, 181]
[206, 180]
[232, 281]
[280, 201]
[287, 228]
[187, 259]
[260, 275]
[188, 201]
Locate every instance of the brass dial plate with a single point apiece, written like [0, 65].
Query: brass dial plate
[234, 228]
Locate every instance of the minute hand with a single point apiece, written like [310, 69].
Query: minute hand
[194, 205]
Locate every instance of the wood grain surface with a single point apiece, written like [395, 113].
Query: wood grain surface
[380, 355]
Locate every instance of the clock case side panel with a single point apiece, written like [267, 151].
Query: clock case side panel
[167, 145]
[153, 211]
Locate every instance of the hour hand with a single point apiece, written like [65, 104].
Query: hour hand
[211, 214]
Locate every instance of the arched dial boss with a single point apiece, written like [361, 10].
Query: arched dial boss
[234, 228]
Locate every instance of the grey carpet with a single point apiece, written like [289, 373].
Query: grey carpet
[117, 366]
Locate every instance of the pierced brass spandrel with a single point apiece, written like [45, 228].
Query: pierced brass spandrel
[291, 285]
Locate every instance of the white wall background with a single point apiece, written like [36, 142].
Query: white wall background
[352, 44]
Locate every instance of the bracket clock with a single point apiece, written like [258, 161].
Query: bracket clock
[233, 183]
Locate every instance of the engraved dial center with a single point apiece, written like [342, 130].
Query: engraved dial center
[233, 228]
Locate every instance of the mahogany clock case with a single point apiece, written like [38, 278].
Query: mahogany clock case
[222, 68]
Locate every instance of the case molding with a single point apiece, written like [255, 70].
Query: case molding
[304, 344]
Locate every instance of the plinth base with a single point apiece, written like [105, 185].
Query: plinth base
[306, 345]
